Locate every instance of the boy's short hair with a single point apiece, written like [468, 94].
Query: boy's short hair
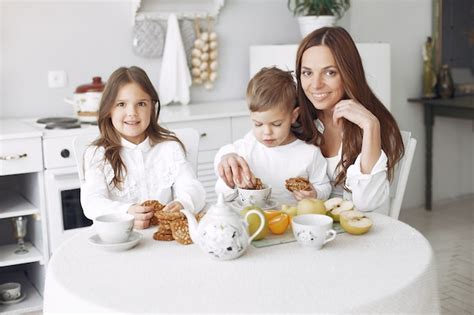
[271, 87]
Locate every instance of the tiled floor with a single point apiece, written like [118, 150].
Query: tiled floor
[450, 229]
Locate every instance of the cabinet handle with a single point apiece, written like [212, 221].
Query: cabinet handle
[203, 135]
[13, 157]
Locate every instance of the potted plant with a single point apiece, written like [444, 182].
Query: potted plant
[314, 14]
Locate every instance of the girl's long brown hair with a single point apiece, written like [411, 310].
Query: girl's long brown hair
[349, 63]
[110, 138]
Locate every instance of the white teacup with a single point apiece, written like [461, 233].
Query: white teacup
[313, 230]
[114, 227]
[10, 291]
[258, 197]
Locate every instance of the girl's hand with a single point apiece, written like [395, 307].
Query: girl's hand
[142, 215]
[303, 194]
[355, 113]
[234, 170]
[173, 206]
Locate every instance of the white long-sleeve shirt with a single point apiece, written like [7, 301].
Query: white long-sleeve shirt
[276, 164]
[158, 172]
[370, 192]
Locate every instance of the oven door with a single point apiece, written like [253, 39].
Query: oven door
[64, 212]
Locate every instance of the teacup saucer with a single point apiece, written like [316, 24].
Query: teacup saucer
[270, 204]
[133, 240]
[21, 298]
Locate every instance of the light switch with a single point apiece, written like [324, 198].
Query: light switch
[57, 79]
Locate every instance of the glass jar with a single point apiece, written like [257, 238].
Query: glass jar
[445, 83]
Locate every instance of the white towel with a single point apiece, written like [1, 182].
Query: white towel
[175, 78]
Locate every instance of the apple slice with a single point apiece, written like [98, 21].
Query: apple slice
[336, 205]
[355, 222]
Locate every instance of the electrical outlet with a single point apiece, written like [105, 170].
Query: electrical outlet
[57, 79]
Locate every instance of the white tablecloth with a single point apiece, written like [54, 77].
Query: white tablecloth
[388, 270]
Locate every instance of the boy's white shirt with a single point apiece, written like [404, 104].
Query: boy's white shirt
[370, 192]
[160, 172]
[276, 164]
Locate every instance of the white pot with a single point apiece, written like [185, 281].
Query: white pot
[86, 105]
[311, 23]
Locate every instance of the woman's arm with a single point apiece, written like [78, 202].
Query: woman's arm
[370, 125]
[369, 191]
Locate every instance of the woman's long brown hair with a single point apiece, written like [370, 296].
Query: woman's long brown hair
[349, 63]
[110, 138]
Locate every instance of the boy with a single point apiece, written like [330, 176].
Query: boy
[271, 150]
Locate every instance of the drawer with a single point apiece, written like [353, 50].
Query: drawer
[58, 153]
[214, 132]
[18, 156]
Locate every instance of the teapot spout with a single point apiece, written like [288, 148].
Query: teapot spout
[192, 224]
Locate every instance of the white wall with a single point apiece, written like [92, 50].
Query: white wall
[88, 38]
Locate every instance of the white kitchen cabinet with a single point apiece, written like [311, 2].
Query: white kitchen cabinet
[22, 194]
[218, 123]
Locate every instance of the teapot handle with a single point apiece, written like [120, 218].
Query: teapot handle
[262, 223]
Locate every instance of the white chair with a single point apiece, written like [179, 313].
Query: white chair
[189, 136]
[402, 170]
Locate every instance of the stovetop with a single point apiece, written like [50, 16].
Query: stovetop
[62, 126]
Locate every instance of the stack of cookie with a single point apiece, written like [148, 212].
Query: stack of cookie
[165, 218]
[157, 206]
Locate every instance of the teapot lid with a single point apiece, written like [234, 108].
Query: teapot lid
[221, 208]
[96, 86]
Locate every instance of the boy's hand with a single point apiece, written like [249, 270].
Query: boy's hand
[142, 215]
[234, 170]
[303, 194]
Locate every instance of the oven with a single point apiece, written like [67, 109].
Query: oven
[63, 204]
[64, 213]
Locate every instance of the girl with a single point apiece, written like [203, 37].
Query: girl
[339, 113]
[135, 159]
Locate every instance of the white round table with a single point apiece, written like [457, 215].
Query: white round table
[388, 270]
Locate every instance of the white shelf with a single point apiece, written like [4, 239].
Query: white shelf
[8, 256]
[14, 205]
[33, 301]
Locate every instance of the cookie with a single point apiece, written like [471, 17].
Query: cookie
[163, 237]
[297, 183]
[180, 230]
[157, 206]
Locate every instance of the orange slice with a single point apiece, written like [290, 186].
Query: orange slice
[279, 223]
[270, 214]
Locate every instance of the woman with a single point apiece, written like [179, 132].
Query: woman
[339, 113]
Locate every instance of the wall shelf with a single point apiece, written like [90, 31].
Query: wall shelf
[14, 205]
[9, 258]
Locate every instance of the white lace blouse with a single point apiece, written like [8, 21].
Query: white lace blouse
[160, 172]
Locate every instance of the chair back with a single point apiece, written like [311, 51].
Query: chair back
[80, 144]
[188, 136]
[402, 170]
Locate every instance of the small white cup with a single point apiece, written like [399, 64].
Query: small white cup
[114, 227]
[10, 291]
[313, 230]
[258, 197]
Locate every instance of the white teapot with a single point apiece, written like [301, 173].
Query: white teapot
[222, 232]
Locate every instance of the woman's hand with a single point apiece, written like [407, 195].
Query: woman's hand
[355, 113]
[173, 206]
[142, 215]
[234, 170]
[303, 194]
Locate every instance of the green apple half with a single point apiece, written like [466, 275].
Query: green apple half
[355, 222]
[310, 205]
[336, 205]
[254, 222]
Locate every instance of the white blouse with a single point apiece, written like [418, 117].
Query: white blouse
[160, 172]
